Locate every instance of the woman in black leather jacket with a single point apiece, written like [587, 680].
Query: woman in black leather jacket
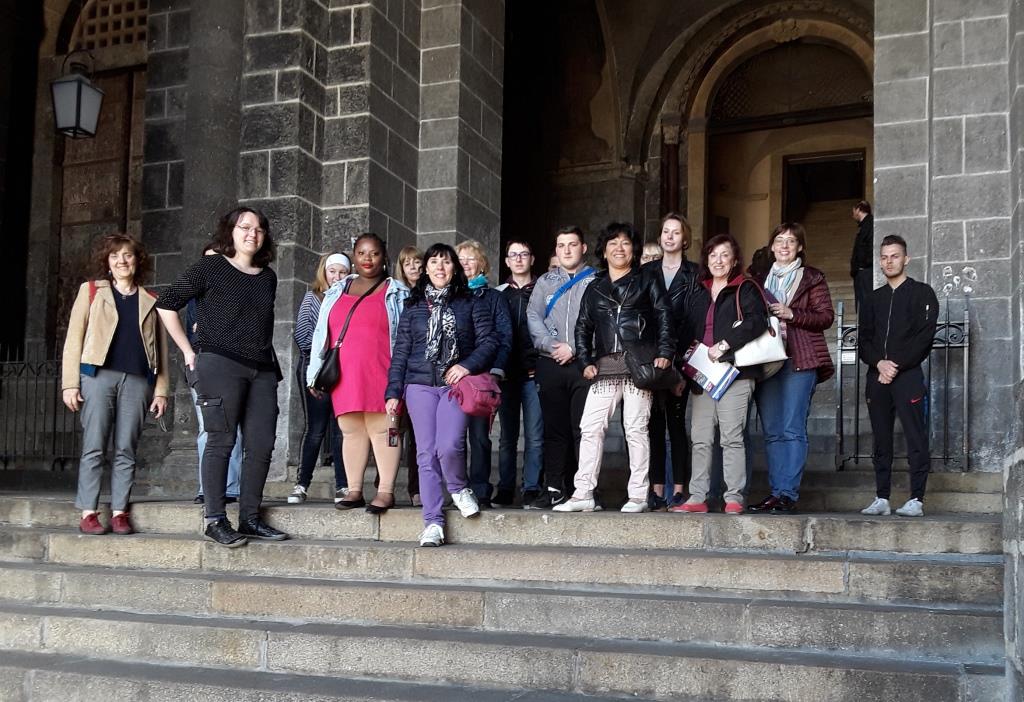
[620, 306]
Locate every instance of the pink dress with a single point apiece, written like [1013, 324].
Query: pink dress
[365, 353]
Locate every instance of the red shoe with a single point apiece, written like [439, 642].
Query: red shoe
[119, 524]
[733, 508]
[91, 525]
[695, 507]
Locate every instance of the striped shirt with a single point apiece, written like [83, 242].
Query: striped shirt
[305, 322]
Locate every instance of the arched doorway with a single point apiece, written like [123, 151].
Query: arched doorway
[781, 128]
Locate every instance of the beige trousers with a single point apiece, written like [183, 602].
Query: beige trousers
[730, 416]
[361, 430]
[602, 399]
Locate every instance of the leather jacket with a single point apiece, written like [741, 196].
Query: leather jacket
[635, 305]
[683, 285]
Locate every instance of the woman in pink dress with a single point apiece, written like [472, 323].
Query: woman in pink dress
[365, 356]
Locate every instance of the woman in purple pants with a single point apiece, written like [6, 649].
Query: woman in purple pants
[443, 336]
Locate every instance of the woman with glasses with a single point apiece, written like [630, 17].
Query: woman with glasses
[804, 306]
[408, 272]
[232, 366]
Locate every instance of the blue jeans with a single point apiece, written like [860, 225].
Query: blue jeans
[321, 425]
[516, 394]
[783, 403]
[480, 457]
[234, 463]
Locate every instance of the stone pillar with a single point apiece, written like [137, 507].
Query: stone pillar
[190, 163]
[1013, 463]
[461, 127]
[943, 177]
[330, 112]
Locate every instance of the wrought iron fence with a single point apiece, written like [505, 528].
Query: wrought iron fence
[36, 429]
[950, 348]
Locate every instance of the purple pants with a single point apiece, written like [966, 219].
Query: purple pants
[440, 428]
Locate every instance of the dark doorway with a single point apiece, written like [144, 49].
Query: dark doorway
[817, 178]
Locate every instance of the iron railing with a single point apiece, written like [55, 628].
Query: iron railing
[951, 338]
[36, 429]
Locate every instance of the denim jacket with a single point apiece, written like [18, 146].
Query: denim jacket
[394, 302]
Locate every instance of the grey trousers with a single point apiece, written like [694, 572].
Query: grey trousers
[730, 415]
[117, 402]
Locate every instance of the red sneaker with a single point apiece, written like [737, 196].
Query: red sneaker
[733, 508]
[91, 525]
[120, 524]
[696, 507]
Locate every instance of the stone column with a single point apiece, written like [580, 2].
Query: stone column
[943, 178]
[461, 127]
[330, 112]
[190, 164]
[1013, 463]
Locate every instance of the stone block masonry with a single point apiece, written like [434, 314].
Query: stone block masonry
[943, 177]
[461, 123]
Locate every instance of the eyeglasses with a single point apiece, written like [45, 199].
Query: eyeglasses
[259, 232]
[466, 259]
[786, 241]
[519, 255]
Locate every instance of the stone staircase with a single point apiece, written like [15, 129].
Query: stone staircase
[520, 606]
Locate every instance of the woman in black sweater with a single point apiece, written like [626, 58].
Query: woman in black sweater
[232, 367]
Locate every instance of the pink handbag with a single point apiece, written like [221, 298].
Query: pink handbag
[477, 395]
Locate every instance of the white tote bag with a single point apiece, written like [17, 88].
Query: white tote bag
[767, 348]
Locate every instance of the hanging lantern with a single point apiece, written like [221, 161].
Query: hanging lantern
[76, 102]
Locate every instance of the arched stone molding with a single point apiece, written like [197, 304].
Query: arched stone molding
[687, 59]
[749, 44]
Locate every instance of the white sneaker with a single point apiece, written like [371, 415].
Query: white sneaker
[879, 506]
[340, 494]
[433, 535]
[465, 500]
[575, 504]
[635, 507]
[913, 508]
[297, 496]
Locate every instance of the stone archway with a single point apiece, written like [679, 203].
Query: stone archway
[750, 44]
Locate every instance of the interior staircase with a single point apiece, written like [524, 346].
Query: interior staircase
[521, 605]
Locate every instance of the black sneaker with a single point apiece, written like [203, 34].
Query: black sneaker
[221, 532]
[198, 500]
[529, 497]
[548, 499]
[785, 505]
[656, 503]
[504, 497]
[259, 529]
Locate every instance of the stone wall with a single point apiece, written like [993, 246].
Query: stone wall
[943, 177]
[1013, 465]
[460, 132]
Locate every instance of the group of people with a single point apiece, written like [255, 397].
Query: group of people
[387, 355]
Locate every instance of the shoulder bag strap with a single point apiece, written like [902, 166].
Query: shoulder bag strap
[739, 311]
[585, 273]
[348, 318]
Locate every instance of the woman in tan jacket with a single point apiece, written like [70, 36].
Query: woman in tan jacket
[114, 367]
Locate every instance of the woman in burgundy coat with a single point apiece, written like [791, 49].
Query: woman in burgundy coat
[783, 401]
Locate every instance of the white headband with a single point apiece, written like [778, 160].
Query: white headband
[338, 258]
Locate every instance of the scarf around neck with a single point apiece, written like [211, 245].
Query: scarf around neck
[782, 281]
[478, 281]
[442, 347]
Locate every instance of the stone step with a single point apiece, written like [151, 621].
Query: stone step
[954, 633]
[950, 578]
[45, 677]
[790, 534]
[649, 670]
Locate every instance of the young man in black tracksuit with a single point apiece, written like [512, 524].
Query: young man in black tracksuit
[897, 327]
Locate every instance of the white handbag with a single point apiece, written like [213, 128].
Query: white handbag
[769, 348]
